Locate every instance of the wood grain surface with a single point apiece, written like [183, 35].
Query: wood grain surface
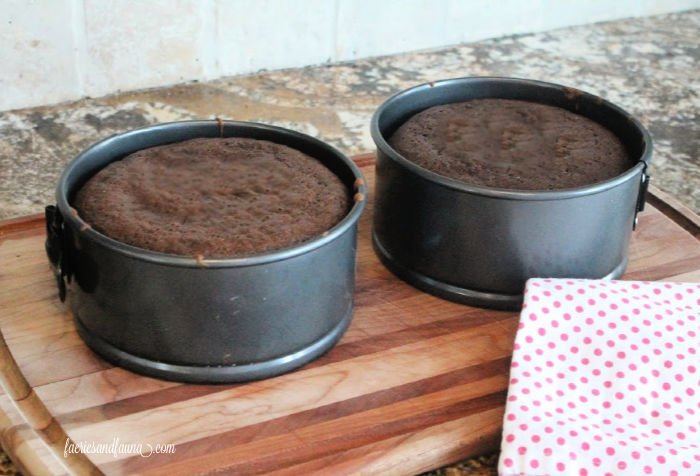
[416, 383]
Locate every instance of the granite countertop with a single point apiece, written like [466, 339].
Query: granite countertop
[649, 66]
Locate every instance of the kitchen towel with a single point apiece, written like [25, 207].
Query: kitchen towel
[605, 380]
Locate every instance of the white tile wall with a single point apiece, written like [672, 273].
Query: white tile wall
[274, 34]
[371, 27]
[132, 44]
[56, 50]
[37, 53]
[477, 19]
[591, 11]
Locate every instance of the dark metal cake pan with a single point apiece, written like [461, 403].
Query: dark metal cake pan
[204, 320]
[478, 245]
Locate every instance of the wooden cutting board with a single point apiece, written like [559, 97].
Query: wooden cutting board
[416, 383]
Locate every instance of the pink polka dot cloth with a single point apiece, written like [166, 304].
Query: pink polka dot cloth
[605, 380]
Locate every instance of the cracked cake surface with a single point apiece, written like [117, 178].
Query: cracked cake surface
[511, 144]
[214, 197]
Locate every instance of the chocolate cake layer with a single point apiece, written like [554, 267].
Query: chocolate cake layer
[511, 144]
[214, 198]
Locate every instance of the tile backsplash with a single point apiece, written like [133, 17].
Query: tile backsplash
[58, 50]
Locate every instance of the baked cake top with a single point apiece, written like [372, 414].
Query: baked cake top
[212, 197]
[511, 144]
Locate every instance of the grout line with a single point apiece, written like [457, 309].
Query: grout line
[217, 39]
[336, 30]
[210, 56]
[80, 54]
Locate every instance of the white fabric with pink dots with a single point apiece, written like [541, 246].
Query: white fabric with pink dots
[605, 380]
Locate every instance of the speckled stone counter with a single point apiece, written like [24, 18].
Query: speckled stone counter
[649, 66]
